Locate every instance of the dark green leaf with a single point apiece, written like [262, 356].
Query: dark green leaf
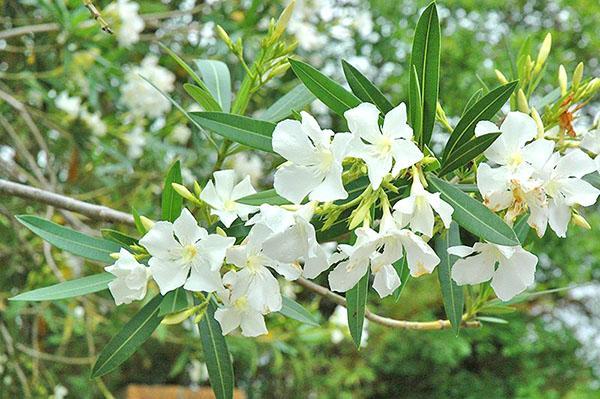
[174, 301]
[139, 226]
[404, 272]
[68, 289]
[474, 98]
[218, 81]
[467, 152]
[172, 203]
[484, 109]
[120, 238]
[129, 339]
[452, 294]
[415, 104]
[356, 303]
[202, 97]
[216, 355]
[294, 310]
[521, 228]
[331, 93]
[294, 100]
[473, 216]
[264, 197]
[364, 89]
[72, 241]
[425, 57]
[241, 129]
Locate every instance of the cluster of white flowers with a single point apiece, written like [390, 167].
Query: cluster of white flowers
[73, 107]
[128, 22]
[139, 96]
[527, 175]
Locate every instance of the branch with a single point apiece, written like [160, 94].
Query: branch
[111, 215]
[23, 30]
[97, 212]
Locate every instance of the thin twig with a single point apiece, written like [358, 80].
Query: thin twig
[23, 30]
[108, 214]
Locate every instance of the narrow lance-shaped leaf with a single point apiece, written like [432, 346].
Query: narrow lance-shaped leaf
[364, 89]
[403, 271]
[425, 57]
[172, 202]
[241, 129]
[72, 241]
[174, 301]
[452, 294]
[218, 81]
[202, 97]
[294, 310]
[473, 216]
[331, 93]
[472, 100]
[216, 354]
[120, 238]
[264, 197]
[484, 109]
[356, 304]
[415, 104]
[467, 152]
[68, 289]
[129, 339]
[294, 100]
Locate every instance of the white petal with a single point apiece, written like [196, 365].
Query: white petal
[204, 279]
[311, 127]
[485, 127]
[386, 281]
[237, 255]
[343, 277]
[332, 187]
[291, 142]
[378, 168]
[168, 275]
[559, 217]
[159, 241]
[517, 129]
[538, 152]
[290, 271]
[340, 145]
[242, 189]
[186, 228]
[226, 217]
[228, 318]
[316, 263]
[442, 208]
[420, 257]
[263, 292]
[210, 196]
[474, 269]
[253, 324]
[394, 123]
[294, 182]
[406, 153]
[460, 250]
[212, 250]
[577, 191]
[287, 246]
[575, 163]
[363, 121]
[514, 275]
[422, 220]
[224, 181]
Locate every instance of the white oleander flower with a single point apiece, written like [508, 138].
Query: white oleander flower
[223, 194]
[184, 254]
[562, 177]
[139, 96]
[254, 278]
[132, 279]
[380, 251]
[293, 238]
[237, 312]
[314, 166]
[380, 147]
[70, 105]
[129, 25]
[417, 209]
[515, 271]
[181, 134]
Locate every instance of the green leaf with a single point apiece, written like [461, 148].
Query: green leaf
[218, 81]
[202, 97]
[356, 303]
[467, 152]
[521, 228]
[129, 339]
[72, 241]
[484, 109]
[472, 100]
[415, 104]
[120, 238]
[495, 320]
[241, 129]
[452, 294]
[139, 226]
[425, 57]
[294, 100]
[294, 310]
[216, 355]
[331, 93]
[473, 216]
[172, 203]
[174, 301]
[404, 272]
[68, 289]
[263, 197]
[364, 89]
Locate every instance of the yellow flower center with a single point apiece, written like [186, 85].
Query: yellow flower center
[515, 159]
[420, 269]
[326, 159]
[254, 263]
[189, 252]
[229, 205]
[241, 303]
[384, 145]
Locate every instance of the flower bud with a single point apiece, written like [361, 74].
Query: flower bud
[184, 192]
[500, 76]
[522, 101]
[224, 36]
[580, 221]
[114, 255]
[538, 123]
[577, 75]
[147, 223]
[220, 232]
[562, 80]
[197, 188]
[283, 20]
[543, 53]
